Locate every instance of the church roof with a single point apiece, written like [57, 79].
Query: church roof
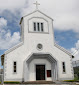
[63, 49]
[48, 56]
[34, 12]
[11, 49]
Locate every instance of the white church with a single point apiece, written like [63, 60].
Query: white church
[37, 56]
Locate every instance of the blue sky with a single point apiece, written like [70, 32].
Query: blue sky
[66, 39]
[64, 12]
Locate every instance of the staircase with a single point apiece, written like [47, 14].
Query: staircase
[39, 82]
[47, 83]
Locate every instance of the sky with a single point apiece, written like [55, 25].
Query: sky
[65, 14]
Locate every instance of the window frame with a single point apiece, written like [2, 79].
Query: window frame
[63, 67]
[13, 67]
[34, 26]
[40, 29]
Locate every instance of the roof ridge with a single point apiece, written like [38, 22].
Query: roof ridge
[62, 48]
[34, 12]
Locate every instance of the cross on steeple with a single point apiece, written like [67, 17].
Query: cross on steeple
[36, 4]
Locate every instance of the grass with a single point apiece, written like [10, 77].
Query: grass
[74, 80]
[11, 82]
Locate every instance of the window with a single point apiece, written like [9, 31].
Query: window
[42, 27]
[14, 67]
[34, 26]
[63, 65]
[38, 27]
[39, 46]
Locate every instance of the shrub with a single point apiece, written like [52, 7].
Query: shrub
[11, 82]
[69, 80]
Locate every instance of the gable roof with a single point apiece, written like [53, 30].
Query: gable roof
[63, 49]
[34, 12]
[11, 49]
[14, 47]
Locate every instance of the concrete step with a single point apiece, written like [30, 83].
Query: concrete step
[39, 82]
[48, 84]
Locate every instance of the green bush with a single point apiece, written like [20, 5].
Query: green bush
[69, 80]
[74, 80]
[78, 74]
[11, 82]
[76, 71]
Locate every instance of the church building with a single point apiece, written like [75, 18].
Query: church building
[37, 56]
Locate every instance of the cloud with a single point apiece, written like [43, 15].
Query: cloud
[75, 51]
[6, 39]
[3, 22]
[12, 4]
[66, 15]
[64, 12]
[67, 22]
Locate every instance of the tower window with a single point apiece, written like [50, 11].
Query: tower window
[63, 65]
[38, 27]
[14, 67]
[34, 26]
[41, 26]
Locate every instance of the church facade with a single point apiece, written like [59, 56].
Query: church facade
[37, 57]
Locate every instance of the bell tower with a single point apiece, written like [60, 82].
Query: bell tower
[37, 28]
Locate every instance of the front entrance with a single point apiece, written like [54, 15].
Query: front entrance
[40, 72]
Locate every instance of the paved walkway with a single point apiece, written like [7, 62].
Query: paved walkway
[42, 84]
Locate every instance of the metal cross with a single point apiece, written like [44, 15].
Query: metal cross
[36, 4]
